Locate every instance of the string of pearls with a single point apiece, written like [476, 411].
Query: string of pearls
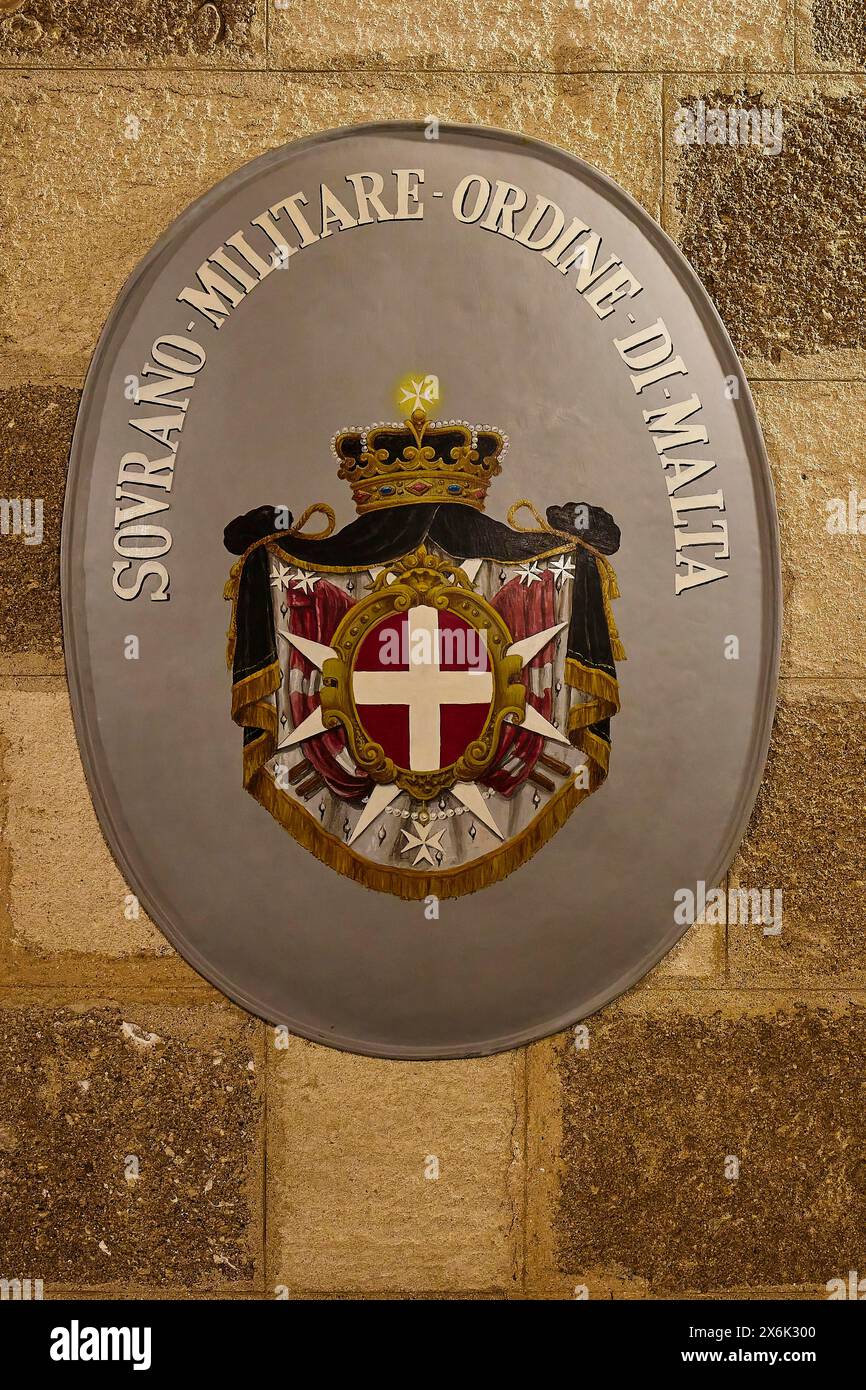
[447, 814]
[400, 425]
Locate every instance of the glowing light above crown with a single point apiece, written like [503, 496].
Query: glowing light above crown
[418, 392]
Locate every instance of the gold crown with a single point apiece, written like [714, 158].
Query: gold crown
[419, 460]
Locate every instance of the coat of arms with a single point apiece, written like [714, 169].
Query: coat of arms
[426, 694]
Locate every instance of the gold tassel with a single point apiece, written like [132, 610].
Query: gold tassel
[610, 590]
[248, 693]
[230, 594]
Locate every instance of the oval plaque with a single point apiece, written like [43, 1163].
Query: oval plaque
[421, 589]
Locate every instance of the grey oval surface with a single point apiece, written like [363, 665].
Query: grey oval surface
[318, 346]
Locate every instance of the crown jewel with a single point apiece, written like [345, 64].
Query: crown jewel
[420, 460]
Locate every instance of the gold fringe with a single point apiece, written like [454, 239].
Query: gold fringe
[256, 754]
[248, 693]
[251, 711]
[594, 748]
[604, 705]
[403, 883]
[592, 681]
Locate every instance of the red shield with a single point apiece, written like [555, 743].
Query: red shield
[423, 686]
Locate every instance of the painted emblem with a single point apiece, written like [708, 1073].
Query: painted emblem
[426, 694]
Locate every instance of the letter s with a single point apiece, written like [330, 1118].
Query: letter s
[145, 569]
